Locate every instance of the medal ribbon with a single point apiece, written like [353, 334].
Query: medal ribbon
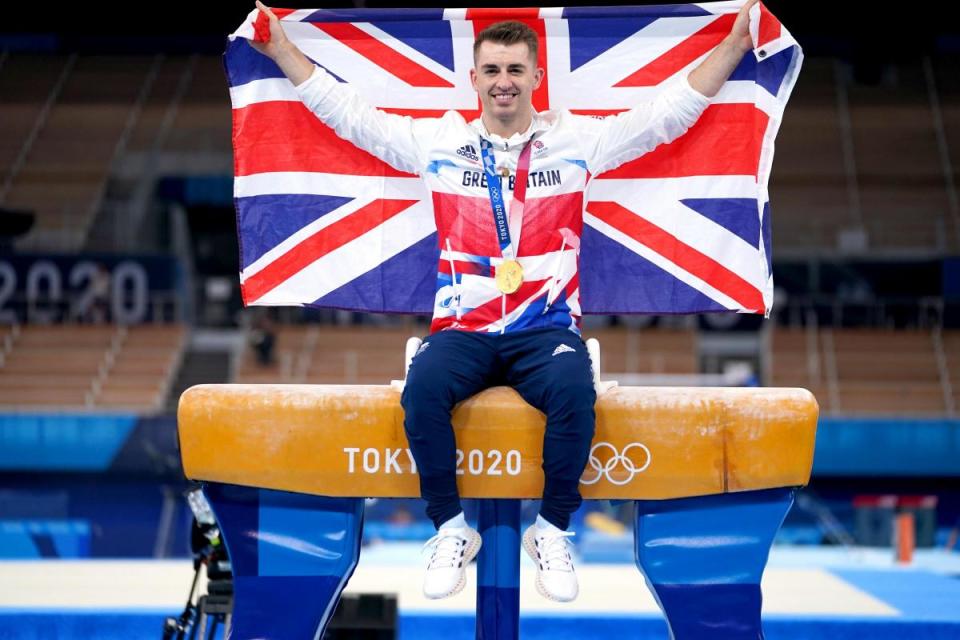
[495, 188]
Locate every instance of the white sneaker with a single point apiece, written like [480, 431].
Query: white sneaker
[453, 549]
[549, 550]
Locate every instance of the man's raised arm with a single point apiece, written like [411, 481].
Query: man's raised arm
[400, 141]
[714, 71]
[618, 139]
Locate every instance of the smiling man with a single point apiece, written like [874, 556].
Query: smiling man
[508, 193]
[505, 75]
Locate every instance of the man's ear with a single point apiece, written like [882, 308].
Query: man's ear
[538, 76]
[473, 79]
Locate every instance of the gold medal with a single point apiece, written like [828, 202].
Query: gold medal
[509, 276]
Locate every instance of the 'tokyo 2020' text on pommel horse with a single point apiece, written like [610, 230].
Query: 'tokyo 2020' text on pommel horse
[713, 472]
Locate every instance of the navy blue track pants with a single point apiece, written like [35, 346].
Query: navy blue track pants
[549, 368]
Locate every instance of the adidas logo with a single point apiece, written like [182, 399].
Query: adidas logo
[468, 152]
[423, 347]
[563, 349]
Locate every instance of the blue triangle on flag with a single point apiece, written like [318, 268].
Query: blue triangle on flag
[432, 38]
[736, 215]
[594, 30]
[266, 221]
[589, 38]
[767, 236]
[406, 283]
[769, 74]
[245, 64]
[773, 70]
[746, 69]
[641, 286]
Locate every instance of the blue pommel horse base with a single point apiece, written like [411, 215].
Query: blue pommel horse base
[286, 468]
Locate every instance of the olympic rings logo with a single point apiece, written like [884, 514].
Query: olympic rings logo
[603, 470]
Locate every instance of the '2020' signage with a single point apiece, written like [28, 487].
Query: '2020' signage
[53, 288]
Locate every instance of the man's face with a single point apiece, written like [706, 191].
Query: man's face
[505, 77]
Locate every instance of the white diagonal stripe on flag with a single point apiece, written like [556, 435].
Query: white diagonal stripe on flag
[351, 260]
[661, 261]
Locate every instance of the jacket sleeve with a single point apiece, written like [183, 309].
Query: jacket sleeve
[609, 142]
[400, 141]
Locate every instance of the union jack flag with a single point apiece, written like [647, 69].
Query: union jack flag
[682, 229]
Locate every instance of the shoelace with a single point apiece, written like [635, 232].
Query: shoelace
[447, 548]
[554, 552]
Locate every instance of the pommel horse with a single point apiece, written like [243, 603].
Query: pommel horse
[286, 468]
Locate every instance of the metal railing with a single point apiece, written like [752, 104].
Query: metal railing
[133, 117]
[830, 368]
[846, 142]
[942, 147]
[136, 207]
[38, 125]
[946, 383]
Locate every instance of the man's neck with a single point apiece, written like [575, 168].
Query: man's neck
[505, 129]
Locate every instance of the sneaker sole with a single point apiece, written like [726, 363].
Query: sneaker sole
[530, 546]
[473, 548]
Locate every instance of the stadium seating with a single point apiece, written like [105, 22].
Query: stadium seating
[850, 371]
[887, 136]
[142, 368]
[374, 355]
[68, 163]
[318, 355]
[203, 123]
[656, 351]
[951, 350]
[891, 372]
[25, 84]
[794, 361]
[90, 366]
[808, 191]
[158, 104]
[865, 371]
[67, 166]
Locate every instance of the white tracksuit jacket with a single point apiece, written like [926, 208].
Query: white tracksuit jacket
[567, 150]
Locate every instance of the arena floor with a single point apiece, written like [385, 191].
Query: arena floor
[808, 593]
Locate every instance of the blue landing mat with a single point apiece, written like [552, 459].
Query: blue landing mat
[146, 625]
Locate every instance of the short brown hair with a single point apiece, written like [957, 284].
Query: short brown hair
[508, 33]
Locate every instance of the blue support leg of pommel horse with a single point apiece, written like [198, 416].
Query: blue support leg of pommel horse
[714, 475]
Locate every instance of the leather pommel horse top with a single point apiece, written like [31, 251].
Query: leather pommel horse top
[348, 440]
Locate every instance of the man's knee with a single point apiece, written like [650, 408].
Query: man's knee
[421, 393]
[571, 398]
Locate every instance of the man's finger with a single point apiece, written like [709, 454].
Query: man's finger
[262, 23]
[266, 10]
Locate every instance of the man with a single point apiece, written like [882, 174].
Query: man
[508, 200]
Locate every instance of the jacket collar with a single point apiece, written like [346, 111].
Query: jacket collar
[537, 124]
